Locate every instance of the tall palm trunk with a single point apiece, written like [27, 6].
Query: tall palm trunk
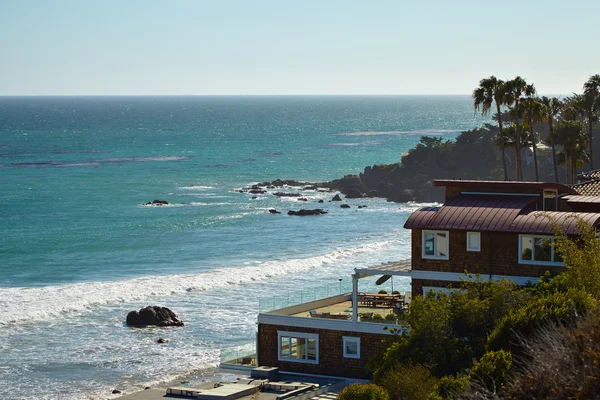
[551, 133]
[535, 162]
[517, 161]
[502, 141]
[590, 138]
[518, 143]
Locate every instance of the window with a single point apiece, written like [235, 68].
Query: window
[298, 347]
[435, 244]
[351, 347]
[550, 200]
[473, 241]
[538, 250]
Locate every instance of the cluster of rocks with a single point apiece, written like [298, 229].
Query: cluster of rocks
[316, 211]
[156, 203]
[153, 315]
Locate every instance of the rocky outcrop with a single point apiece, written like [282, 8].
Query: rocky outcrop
[153, 315]
[274, 211]
[282, 194]
[303, 212]
[157, 203]
[336, 198]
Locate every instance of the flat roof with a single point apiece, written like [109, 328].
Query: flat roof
[395, 268]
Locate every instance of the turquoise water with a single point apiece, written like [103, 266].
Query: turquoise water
[78, 250]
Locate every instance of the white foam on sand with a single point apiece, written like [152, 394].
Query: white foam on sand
[21, 305]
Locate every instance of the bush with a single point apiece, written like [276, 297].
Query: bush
[395, 292]
[358, 391]
[492, 369]
[378, 318]
[558, 308]
[382, 292]
[390, 317]
[408, 382]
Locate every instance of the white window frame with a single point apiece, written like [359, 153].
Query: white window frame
[347, 339]
[298, 335]
[434, 257]
[533, 261]
[471, 248]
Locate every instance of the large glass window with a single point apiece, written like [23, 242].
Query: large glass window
[298, 347]
[538, 250]
[435, 244]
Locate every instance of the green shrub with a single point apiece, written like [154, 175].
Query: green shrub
[450, 387]
[404, 382]
[390, 317]
[492, 369]
[378, 318]
[395, 292]
[382, 292]
[358, 391]
[558, 308]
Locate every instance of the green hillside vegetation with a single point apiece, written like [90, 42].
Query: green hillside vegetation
[543, 139]
[496, 340]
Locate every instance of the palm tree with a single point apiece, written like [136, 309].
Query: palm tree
[571, 135]
[551, 108]
[509, 136]
[492, 90]
[515, 88]
[533, 111]
[591, 92]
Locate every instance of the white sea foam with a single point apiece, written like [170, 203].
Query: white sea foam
[415, 132]
[196, 187]
[34, 304]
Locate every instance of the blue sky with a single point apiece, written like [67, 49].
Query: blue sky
[140, 47]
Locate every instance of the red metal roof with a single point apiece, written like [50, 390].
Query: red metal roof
[497, 213]
[541, 222]
[471, 212]
[504, 185]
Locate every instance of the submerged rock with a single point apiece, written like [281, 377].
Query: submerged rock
[274, 211]
[153, 315]
[157, 203]
[344, 205]
[336, 198]
[303, 212]
[162, 340]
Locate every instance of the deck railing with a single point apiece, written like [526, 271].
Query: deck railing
[244, 354]
[294, 298]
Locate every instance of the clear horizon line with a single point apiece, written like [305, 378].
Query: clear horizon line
[232, 95]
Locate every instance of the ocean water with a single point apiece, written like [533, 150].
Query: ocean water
[79, 250]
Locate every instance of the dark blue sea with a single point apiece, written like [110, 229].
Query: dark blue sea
[78, 249]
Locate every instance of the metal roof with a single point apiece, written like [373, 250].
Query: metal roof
[471, 212]
[581, 199]
[542, 222]
[402, 268]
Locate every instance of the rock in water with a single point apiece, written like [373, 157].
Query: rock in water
[336, 198]
[303, 212]
[345, 206]
[162, 340]
[153, 315]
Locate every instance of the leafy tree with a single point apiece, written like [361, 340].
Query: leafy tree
[510, 139]
[492, 90]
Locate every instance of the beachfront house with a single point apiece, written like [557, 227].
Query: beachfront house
[492, 229]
